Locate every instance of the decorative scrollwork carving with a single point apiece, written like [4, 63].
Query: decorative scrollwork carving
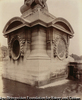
[55, 46]
[22, 41]
[9, 46]
[67, 45]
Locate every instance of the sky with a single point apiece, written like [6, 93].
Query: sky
[71, 10]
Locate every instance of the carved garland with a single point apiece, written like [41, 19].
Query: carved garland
[21, 43]
[67, 45]
[55, 46]
[9, 46]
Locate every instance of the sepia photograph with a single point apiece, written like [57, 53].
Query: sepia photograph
[41, 49]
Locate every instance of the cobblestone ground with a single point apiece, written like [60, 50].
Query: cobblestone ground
[62, 88]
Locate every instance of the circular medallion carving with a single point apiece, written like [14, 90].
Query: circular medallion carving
[16, 47]
[61, 49]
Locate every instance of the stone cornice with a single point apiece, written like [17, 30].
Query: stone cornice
[39, 18]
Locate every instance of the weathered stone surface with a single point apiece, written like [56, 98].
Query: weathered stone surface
[38, 46]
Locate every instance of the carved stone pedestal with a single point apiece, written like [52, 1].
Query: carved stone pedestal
[38, 46]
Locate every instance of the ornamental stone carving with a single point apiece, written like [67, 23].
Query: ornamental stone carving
[60, 48]
[16, 47]
[42, 41]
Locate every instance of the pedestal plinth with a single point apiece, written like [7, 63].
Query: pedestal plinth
[38, 46]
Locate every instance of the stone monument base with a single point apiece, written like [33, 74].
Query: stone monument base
[35, 72]
[38, 45]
